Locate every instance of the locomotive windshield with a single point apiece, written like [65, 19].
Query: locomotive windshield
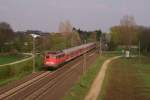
[50, 56]
[54, 54]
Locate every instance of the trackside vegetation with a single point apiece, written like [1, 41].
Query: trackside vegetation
[79, 90]
[15, 72]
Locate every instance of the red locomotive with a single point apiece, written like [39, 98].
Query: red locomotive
[54, 59]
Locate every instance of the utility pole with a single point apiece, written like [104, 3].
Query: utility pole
[100, 46]
[34, 36]
[139, 52]
[139, 48]
[33, 71]
[84, 62]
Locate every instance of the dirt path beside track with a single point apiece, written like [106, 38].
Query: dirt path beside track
[97, 83]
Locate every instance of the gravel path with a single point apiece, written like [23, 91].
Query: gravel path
[97, 84]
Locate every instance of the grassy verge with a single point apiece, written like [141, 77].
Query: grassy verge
[15, 72]
[127, 79]
[11, 58]
[79, 91]
[12, 72]
[143, 72]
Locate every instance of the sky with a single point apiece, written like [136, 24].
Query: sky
[46, 15]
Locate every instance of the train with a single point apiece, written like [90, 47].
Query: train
[53, 59]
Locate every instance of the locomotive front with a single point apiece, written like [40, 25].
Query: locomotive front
[54, 59]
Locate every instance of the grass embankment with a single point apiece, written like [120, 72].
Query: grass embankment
[127, 79]
[15, 72]
[79, 91]
[11, 58]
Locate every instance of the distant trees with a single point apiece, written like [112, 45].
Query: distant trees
[144, 39]
[21, 41]
[43, 43]
[89, 36]
[6, 37]
[128, 30]
[72, 37]
[98, 34]
[128, 33]
[76, 36]
[125, 33]
[75, 39]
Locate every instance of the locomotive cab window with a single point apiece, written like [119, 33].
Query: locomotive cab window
[61, 56]
[50, 56]
[47, 56]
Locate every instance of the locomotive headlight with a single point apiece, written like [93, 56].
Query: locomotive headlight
[50, 63]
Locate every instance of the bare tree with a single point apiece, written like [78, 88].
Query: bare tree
[128, 21]
[127, 30]
[65, 27]
[68, 27]
[61, 27]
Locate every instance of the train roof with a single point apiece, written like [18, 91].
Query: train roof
[55, 53]
[76, 48]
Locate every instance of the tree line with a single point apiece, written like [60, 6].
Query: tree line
[68, 36]
[129, 34]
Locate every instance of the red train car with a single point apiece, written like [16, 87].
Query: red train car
[54, 59]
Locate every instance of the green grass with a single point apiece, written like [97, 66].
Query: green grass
[79, 91]
[15, 72]
[127, 79]
[143, 69]
[10, 58]
[12, 72]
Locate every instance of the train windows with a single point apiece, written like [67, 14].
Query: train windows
[60, 56]
[52, 52]
[50, 56]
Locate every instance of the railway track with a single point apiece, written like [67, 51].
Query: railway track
[47, 85]
[19, 88]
